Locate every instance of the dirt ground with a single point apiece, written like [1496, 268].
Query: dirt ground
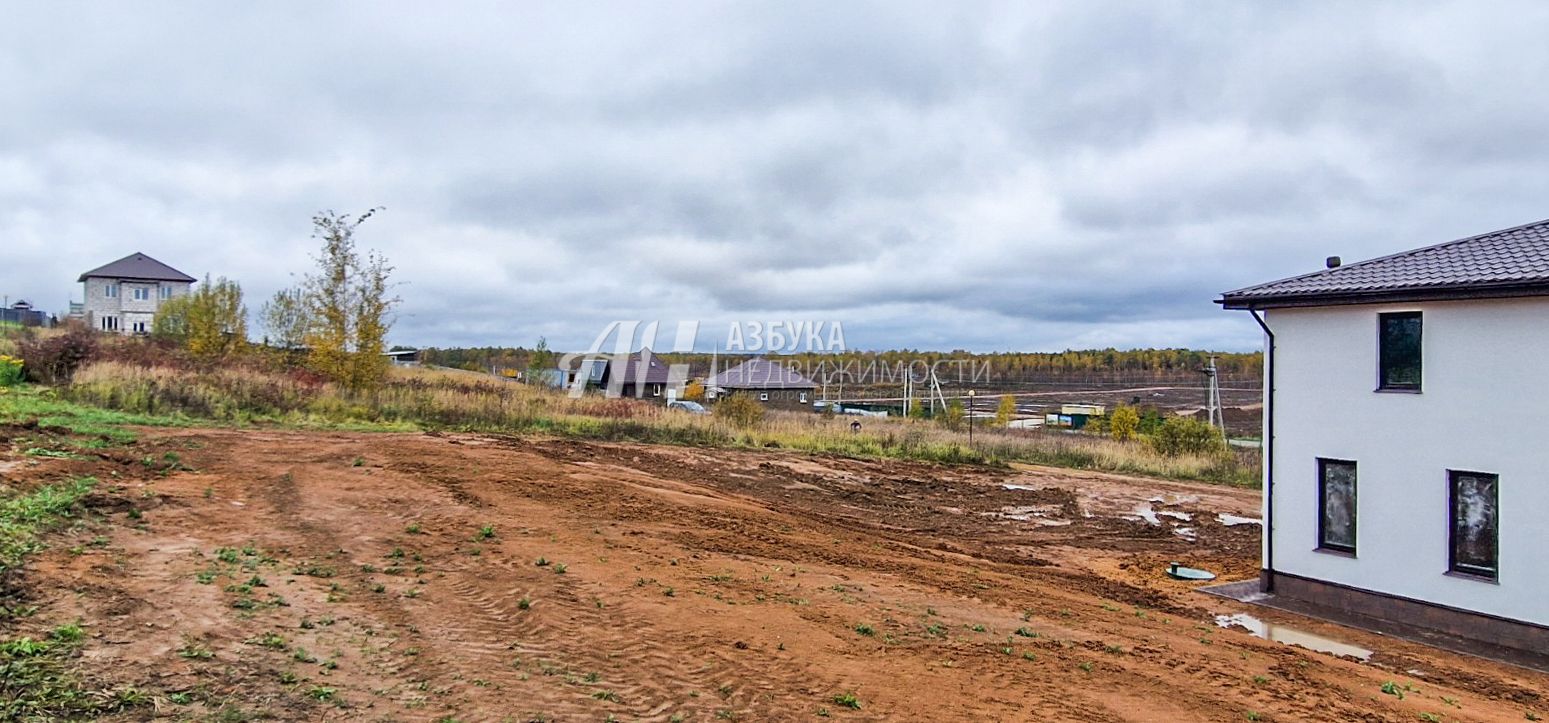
[333, 576]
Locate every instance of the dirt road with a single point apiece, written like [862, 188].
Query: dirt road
[328, 576]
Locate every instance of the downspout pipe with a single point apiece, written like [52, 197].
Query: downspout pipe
[1267, 575]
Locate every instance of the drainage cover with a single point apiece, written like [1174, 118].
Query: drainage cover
[1188, 573]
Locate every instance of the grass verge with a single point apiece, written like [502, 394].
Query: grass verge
[426, 399]
[38, 680]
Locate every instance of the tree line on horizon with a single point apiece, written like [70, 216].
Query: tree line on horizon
[1086, 364]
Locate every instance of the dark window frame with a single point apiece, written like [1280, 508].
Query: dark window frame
[1323, 543]
[1453, 566]
[1382, 364]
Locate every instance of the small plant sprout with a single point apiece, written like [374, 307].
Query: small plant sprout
[560, 568]
[486, 532]
[865, 629]
[848, 699]
[542, 562]
[524, 603]
[413, 528]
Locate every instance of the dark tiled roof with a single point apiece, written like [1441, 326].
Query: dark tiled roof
[1511, 262]
[760, 374]
[644, 367]
[137, 266]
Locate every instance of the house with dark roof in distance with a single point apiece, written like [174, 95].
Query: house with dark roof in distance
[767, 381]
[642, 375]
[123, 296]
[1404, 468]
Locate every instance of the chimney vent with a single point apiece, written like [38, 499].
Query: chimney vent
[1332, 262]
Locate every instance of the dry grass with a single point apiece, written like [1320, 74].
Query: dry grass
[465, 400]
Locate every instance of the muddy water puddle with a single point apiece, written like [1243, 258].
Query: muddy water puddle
[1292, 636]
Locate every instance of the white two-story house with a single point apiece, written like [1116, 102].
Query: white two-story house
[1406, 475]
[123, 296]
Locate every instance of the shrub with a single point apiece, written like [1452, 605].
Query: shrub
[1124, 423]
[953, 417]
[10, 370]
[53, 359]
[1182, 435]
[740, 410]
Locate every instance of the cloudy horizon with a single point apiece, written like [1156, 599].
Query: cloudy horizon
[983, 177]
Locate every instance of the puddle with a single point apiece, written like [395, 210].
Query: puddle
[1144, 511]
[1024, 488]
[1186, 517]
[1292, 636]
[1234, 520]
[1186, 533]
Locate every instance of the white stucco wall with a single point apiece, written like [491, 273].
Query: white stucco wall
[1482, 408]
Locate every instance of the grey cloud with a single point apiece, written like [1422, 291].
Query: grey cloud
[980, 175]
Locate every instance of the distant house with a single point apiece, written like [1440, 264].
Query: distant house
[767, 381]
[22, 313]
[644, 375]
[123, 296]
[1403, 463]
[403, 357]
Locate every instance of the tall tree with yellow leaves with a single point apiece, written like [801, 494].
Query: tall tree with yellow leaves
[348, 305]
[1007, 410]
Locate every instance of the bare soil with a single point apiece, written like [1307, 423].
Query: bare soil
[647, 582]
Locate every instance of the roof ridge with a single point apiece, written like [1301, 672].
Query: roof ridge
[1408, 253]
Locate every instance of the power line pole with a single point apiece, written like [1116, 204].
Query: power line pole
[1213, 410]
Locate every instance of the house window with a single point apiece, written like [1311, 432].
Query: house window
[139, 327]
[141, 293]
[110, 323]
[166, 292]
[763, 396]
[803, 397]
[110, 291]
[1473, 503]
[1336, 505]
[656, 390]
[1398, 351]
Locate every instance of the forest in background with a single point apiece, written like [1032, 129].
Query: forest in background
[1092, 365]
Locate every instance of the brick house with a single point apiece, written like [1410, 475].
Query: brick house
[123, 296]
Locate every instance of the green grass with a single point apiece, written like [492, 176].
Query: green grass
[38, 681]
[23, 519]
[31, 403]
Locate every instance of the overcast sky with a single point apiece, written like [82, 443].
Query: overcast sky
[931, 175]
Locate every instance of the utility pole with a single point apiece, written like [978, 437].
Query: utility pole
[1213, 411]
[970, 418]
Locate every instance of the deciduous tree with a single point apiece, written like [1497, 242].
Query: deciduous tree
[1124, 423]
[284, 317]
[348, 305]
[211, 321]
[1007, 410]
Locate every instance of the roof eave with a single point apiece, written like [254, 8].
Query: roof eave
[1387, 296]
[90, 275]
